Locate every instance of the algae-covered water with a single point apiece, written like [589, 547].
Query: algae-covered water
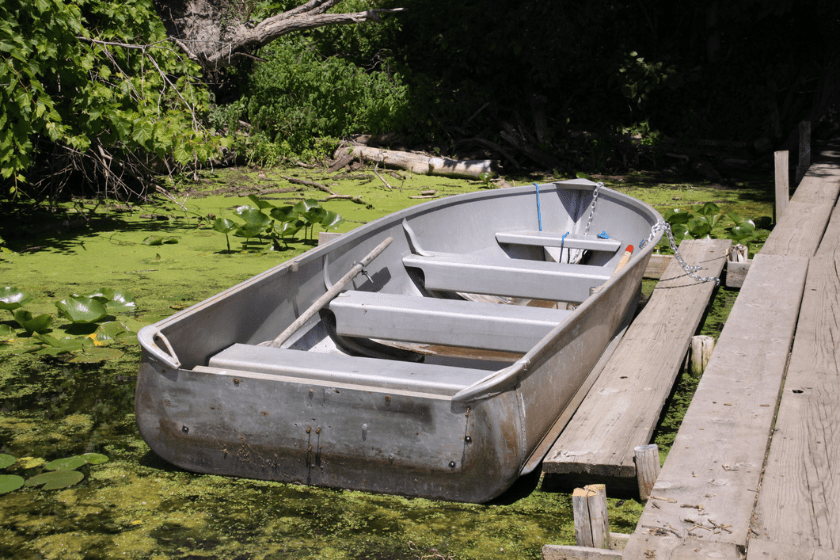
[138, 506]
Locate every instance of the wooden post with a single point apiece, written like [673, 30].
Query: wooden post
[701, 350]
[647, 468]
[804, 150]
[592, 523]
[782, 160]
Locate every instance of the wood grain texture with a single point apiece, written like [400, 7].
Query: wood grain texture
[707, 487]
[760, 549]
[830, 244]
[799, 502]
[799, 231]
[669, 547]
[621, 410]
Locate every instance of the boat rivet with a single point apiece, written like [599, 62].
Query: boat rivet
[185, 429]
[308, 429]
[468, 439]
[318, 430]
[451, 464]
[235, 381]
[387, 398]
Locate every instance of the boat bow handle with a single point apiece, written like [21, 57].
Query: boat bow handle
[148, 337]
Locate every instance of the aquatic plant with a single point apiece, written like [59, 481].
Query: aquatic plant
[60, 473]
[688, 225]
[280, 222]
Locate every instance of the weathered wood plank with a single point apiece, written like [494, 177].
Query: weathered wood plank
[623, 406]
[799, 231]
[830, 244]
[657, 265]
[707, 487]
[669, 547]
[760, 549]
[799, 502]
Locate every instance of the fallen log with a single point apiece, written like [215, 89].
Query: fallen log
[419, 163]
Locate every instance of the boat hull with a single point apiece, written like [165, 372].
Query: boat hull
[469, 446]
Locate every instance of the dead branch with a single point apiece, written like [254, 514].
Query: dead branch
[319, 186]
[380, 176]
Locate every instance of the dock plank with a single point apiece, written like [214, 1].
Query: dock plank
[800, 230]
[760, 549]
[706, 490]
[799, 502]
[621, 410]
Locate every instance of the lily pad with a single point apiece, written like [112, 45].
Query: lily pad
[6, 460]
[10, 483]
[12, 298]
[66, 464]
[110, 331]
[158, 240]
[223, 225]
[81, 309]
[55, 480]
[39, 324]
[95, 458]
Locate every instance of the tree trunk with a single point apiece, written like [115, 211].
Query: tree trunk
[215, 35]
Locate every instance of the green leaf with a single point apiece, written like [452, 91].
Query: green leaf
[677, 216]
[699, 227]
[737, 219]
[10, 483]
[118, 301]
[331, 220]
[55, 480]
[223, 225]
[66, 464]
[12, 298]
[284, 214]
[81, 310]
[260, 203]
[6, 460]
[110, 331]
[38, 324]
[95, 458]
[708, 209]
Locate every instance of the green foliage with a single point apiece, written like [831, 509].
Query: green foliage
[687, 225]
[60, 85]
[280, 222]
[299, 95]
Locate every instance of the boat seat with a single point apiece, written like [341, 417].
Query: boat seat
[508, 277]
[489, 326]
[555, 239]
[339, 368]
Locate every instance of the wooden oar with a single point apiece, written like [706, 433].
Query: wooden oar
[622, 262]
[331, 293]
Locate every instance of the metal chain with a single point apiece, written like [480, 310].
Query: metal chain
[691, 271]
[595, 194]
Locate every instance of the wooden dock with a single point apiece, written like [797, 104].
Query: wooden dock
[623, 407]
[755, 469]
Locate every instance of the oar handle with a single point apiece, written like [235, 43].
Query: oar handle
[331, 293]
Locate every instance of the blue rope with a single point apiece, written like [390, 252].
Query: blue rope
[563, 242]
[539, 210]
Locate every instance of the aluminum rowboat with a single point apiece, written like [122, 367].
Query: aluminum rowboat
[420, 378]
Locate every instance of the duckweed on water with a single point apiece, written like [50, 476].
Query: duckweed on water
[138, 506]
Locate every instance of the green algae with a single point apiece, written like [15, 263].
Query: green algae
[138, 506]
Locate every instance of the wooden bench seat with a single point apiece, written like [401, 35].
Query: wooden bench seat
[337, 368]
[508, 277]
[555, 239]
[491, 326]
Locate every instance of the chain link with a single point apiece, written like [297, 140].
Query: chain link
[595, 194]
[691, 271]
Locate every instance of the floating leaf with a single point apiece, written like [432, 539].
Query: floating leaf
[10, 483]
[56, 480]
[66, 464]
[39, 324]
[96, 355]
[284, 214]
[12, 298]
[118, 301]
[6, 460]
[56, 346]
[110, 331]
[95, 458]
[81, 309]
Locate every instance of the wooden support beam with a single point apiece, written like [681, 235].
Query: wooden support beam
[804, 150]
[701, 350]
[647, 468]
[592, 523]
[782, 162]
